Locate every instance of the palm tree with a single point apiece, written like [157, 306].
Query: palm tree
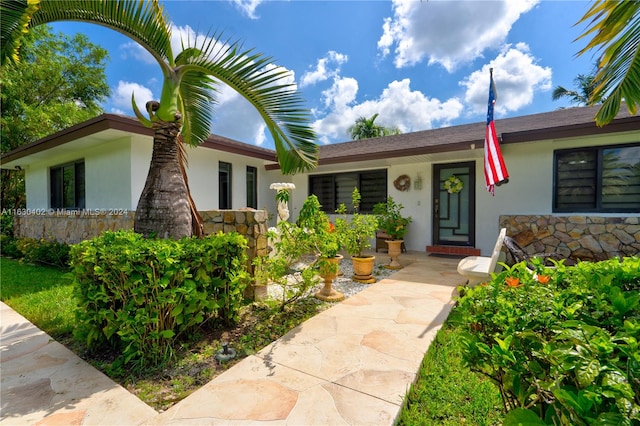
[615, 26]
[581, 96]
[365, 128]
[188, 96]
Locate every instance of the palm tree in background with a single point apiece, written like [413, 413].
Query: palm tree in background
[615, 30]
[365, 128]
[189, 91]
[584, 85]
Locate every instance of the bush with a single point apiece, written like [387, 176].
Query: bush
[9, 247]
[142, 295]
[6, 224]
[561, 344]
[50, 253]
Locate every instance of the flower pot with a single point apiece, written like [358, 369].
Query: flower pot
[395, 249]
[362, 269]
[328, 271]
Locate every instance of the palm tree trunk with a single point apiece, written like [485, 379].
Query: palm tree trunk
[163, 209]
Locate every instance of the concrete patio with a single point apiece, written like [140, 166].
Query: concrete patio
[351, 364]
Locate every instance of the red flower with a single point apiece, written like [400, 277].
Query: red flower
[331, 227]
[512, 282]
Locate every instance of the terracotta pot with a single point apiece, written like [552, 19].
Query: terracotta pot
[395, 249]
[362, 269]
[327, 293]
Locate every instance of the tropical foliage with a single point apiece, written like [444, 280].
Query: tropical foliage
[365, 128]
[561, 343]
[357, 231]
[60, 81]
[614, 28]
[143, 295]
[191, 81]
[390, 218]
[581, 96]
[300, 251]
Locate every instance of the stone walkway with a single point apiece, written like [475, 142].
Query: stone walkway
[349, 365]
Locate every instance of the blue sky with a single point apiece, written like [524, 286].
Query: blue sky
[418, 64]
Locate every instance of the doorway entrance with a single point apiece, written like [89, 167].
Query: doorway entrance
[454, 200]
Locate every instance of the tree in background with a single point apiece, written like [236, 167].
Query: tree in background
[365, 128]
[615, 30]
[59, 82]
[584, 85]
[190, 86]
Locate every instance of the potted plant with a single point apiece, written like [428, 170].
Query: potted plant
[356, 234]
[391, 221]
[321, 237]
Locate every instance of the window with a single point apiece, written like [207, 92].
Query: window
[224, 185]
[597, 179]
[252, 187]
[334, 189]
[67, 186]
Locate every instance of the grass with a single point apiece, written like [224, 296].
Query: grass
[41, 294]
[446, 393]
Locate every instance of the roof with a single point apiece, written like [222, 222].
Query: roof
[131, 125]
[562, 123]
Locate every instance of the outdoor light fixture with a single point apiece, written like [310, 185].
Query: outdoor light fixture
[417, 183]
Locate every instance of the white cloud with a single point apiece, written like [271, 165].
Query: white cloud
[447, 32]
[323, 71]
[517, 78]
[135, 51]
[121, 95]
[397, 106]
[248, 7]
[342, 92]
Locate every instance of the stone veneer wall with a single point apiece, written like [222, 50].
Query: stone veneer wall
[74, 226]
[588, 238]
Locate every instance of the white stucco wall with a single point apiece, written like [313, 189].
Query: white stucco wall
[108, 176]
[116, 171]
[529, 191]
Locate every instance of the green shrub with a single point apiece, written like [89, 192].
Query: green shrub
[9, 247]
[561, 344]
[49, 253]
[6, 223]
[142, 295]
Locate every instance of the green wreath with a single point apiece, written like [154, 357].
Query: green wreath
[453, 184]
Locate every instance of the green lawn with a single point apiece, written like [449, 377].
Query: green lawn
[42, 295]
[448, 393]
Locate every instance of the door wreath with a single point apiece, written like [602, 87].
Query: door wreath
[402, 183]
[453, 184]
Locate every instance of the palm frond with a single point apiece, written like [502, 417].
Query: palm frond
[198, 101]
[15, 16]
[615, 26]
[260, 81]
[143, 21]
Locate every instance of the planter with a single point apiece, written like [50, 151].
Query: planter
[395, 249]
[362, 269]
[328, 274]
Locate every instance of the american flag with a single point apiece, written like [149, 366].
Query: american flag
[495, 170]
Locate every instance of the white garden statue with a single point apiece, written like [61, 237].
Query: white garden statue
[282, 197]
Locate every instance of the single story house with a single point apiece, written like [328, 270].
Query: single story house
[573, 188]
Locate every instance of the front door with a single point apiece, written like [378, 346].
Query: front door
[454, 204]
